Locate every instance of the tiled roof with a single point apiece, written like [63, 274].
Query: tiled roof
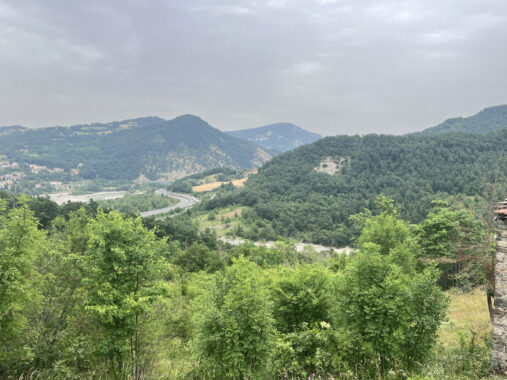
[502, 209]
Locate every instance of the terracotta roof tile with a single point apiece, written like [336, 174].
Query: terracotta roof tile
[502, 209]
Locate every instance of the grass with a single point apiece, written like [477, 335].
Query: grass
[467, 311]
[463, 350]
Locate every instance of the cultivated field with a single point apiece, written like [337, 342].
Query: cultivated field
[214, 185]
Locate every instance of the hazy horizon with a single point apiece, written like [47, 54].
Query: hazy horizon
[230, 130]
[331, 67]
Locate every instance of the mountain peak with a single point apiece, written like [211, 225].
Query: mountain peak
[189, 116]
[278, 137]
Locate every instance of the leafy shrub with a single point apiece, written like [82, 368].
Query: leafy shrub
[234, 324]
[470, 360]
[303, 353]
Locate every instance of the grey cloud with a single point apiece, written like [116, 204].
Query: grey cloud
[343, 66]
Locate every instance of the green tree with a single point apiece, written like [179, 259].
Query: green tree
[45, 210]
[301, 295]
[451, 233]
[121, 272]
[386, 229]
[61, 273]
[198, 257]
[387, 312]
[387, 318]
[20, 244]
[463, 245]
[234, 324]
[302, 310]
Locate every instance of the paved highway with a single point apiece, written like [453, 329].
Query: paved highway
[184, 201]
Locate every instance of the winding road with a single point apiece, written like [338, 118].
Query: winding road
[184, 201]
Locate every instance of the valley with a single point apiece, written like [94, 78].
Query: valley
[253, 190]
[327, 253]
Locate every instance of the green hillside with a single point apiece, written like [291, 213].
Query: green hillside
[150, 147]
[489, 119]
[310, 192]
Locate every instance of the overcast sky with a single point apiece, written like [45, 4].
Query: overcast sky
[329, 66]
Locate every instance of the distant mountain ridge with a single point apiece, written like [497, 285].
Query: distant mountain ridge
[7, 130]
[279, 137]
[488, 120]
[148, 147]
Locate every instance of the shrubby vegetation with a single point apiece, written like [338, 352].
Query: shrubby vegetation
[92, 293]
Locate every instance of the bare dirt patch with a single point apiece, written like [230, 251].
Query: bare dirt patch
[332, 165]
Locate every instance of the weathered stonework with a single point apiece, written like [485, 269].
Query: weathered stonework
[499, 356]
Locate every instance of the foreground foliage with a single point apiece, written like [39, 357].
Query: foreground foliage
[93, 294]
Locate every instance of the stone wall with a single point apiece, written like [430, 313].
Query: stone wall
[499, 356]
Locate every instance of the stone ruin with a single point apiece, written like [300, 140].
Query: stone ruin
[499, 356]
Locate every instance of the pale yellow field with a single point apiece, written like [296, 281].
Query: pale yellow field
[215, 185]
[466, 312]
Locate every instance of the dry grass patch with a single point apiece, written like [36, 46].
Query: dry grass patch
[467, 311]
[206, 187]
[216, 184]
[239, 182]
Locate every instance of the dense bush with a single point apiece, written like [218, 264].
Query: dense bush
[234, 324]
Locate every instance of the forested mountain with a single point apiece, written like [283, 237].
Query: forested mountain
[279, 137]
[150, 147]
[489, 119]
[310, 192]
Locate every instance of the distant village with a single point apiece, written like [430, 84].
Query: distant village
[12, 173]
